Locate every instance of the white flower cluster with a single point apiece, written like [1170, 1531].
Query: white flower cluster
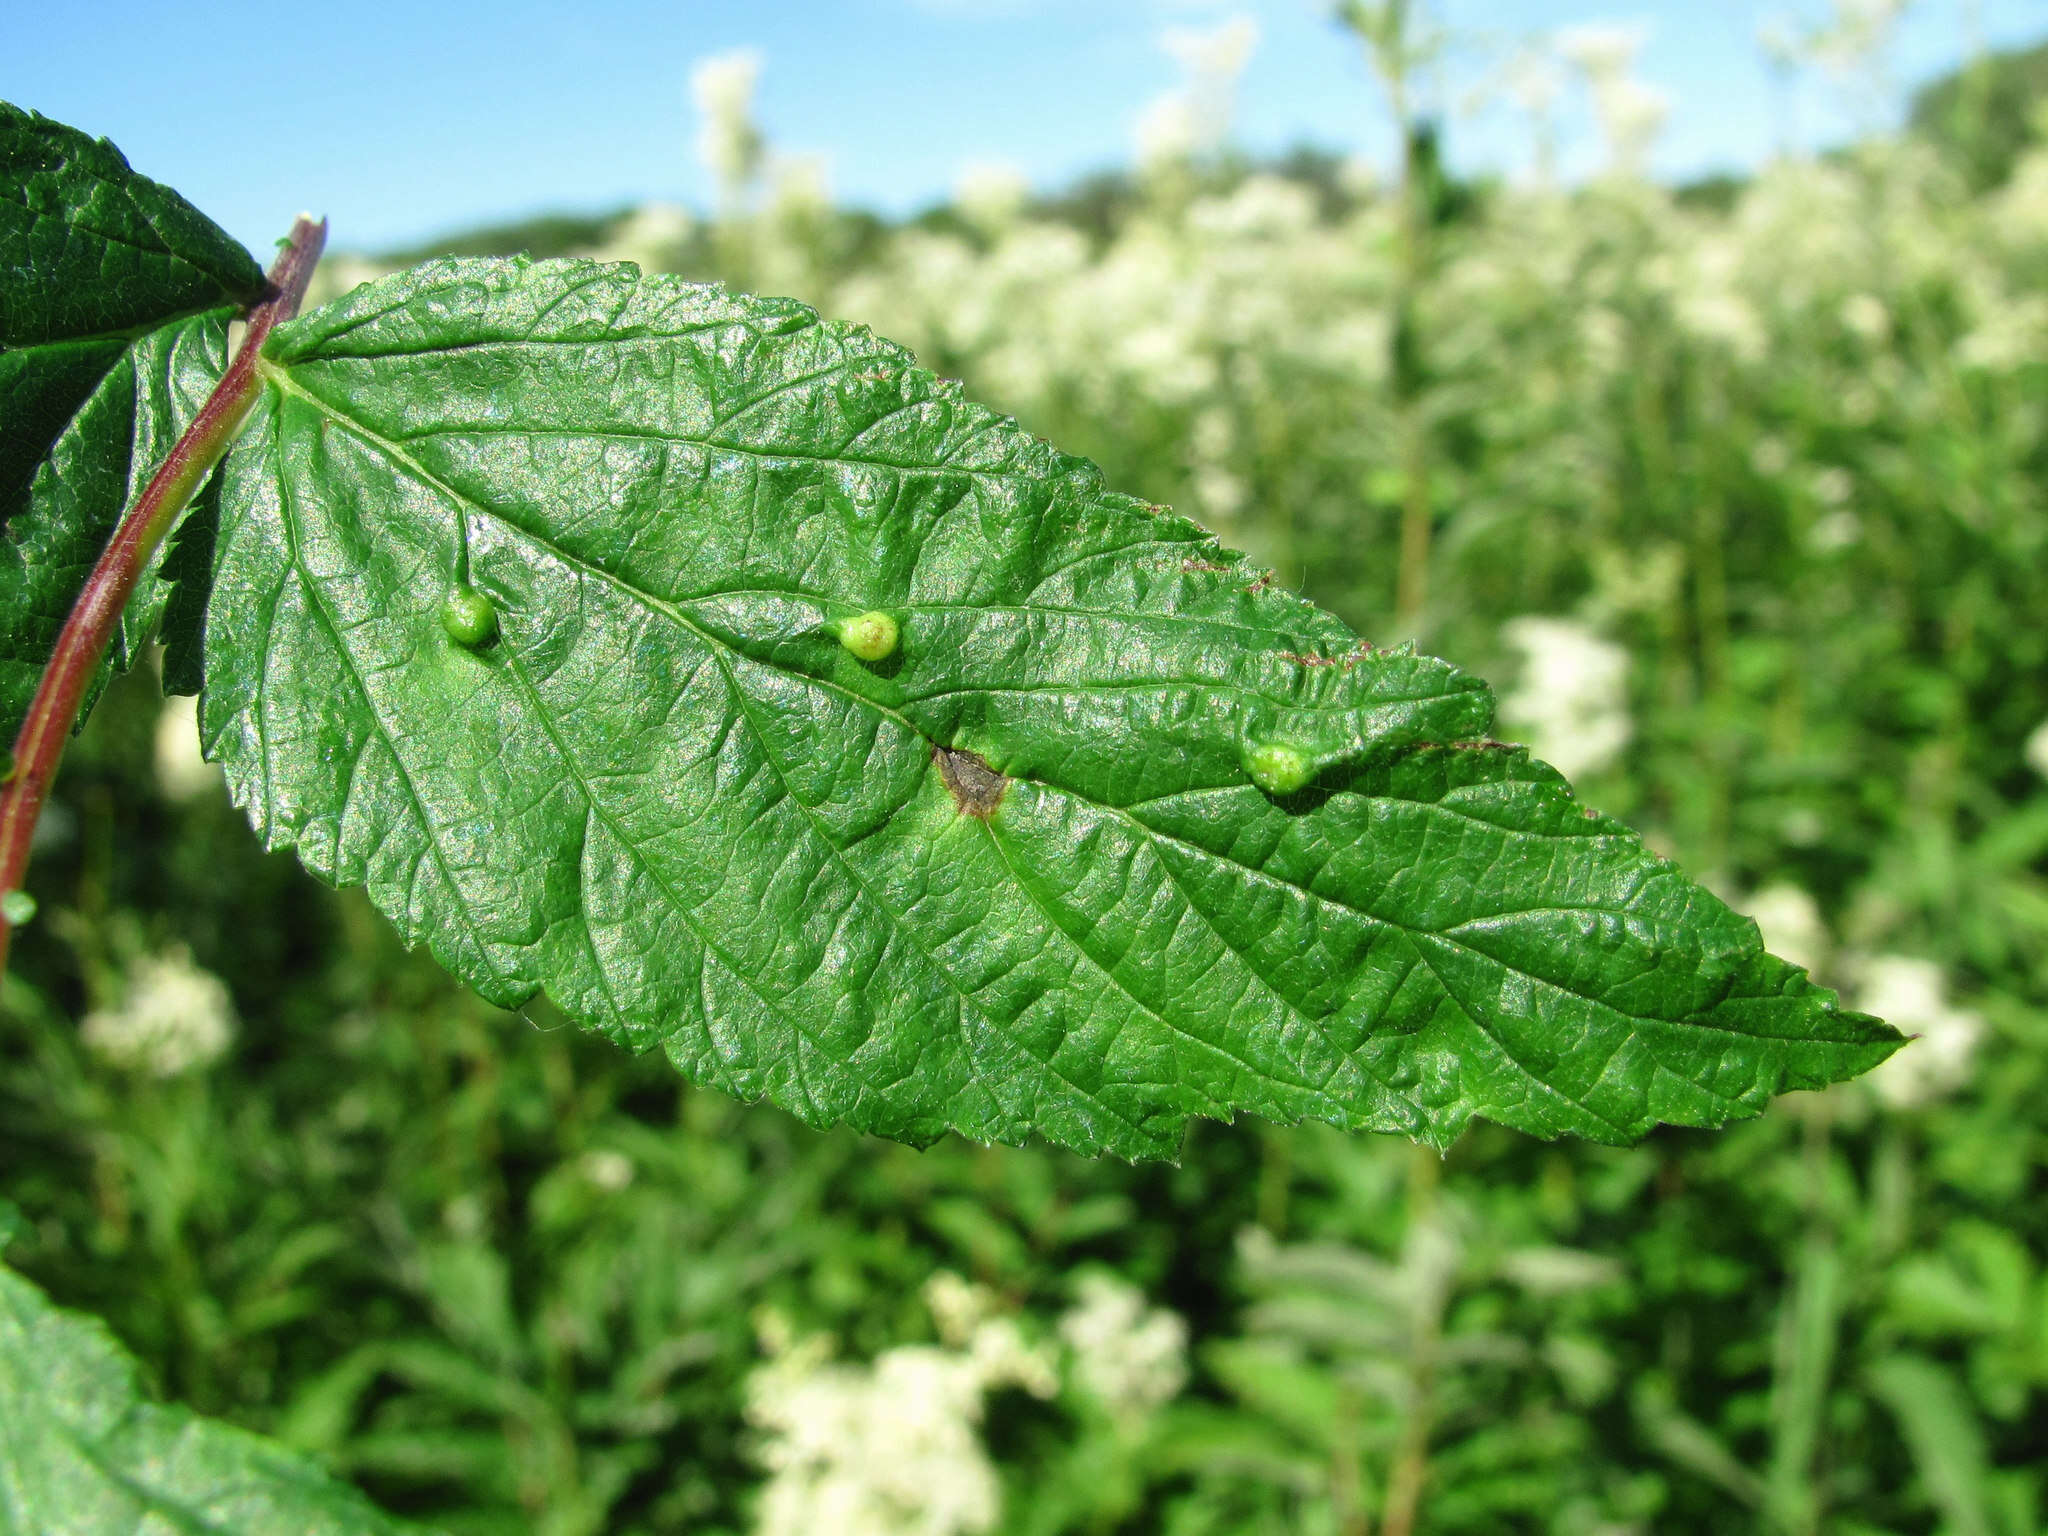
[606, 1169]
[990, 195]
[892, 1448]
[1792, 926]
[728, 141]
[1631, 113]
[1194, 118]
[182, 773]
[1912, 995]
[1130, 1357]
[1909, 993]
[1857, 34]
[175, 1018]
[2036, 749]
[1233, 338]
[1572, 700]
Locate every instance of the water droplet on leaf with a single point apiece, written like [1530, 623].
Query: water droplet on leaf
[1277, 768]
[870, 636]
[468, 617]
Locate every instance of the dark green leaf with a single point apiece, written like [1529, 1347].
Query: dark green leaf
[98, 465]
[114, 299]
[1941, 1428]
[187, 570]
[83, 1451]
[1015, 876]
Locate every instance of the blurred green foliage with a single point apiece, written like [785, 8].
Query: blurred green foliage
[1772, 466]
[1985, 116]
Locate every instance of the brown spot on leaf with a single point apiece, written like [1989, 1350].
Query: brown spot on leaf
[1364, 650]
[977, 789]
[1190, 567]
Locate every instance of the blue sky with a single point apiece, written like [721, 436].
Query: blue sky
[400, 121]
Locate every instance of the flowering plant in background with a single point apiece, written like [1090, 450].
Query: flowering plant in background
[729, 142]
[1194, 119]
[1572, 697]
[1792, 924]
[1129, 1356]
[1743, 480]
[890, 1448]
[173, 1018]
[1915, 993]
[1631, 114]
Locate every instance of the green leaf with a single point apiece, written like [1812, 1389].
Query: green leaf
[83, 1451]
[1013, 877]
[1941, 1427]
[115, 294]
[187, 570]
[96, 468]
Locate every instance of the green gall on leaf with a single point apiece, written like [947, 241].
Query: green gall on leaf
[468, 617]
[871, 636]
[17, 907]
[1277, 768]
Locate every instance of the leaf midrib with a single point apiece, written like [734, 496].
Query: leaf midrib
[670, 607]
[1188, 620]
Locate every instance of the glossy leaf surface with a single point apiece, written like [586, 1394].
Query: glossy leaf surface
[1013, 877]
[115, 294]
[82, 1450]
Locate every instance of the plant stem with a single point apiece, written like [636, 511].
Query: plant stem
[1387, 30]
[83, 640]
[1425, 1268]
[1411, 592]
[1809, 1331]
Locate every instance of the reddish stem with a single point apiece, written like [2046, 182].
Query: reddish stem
[84, 638]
